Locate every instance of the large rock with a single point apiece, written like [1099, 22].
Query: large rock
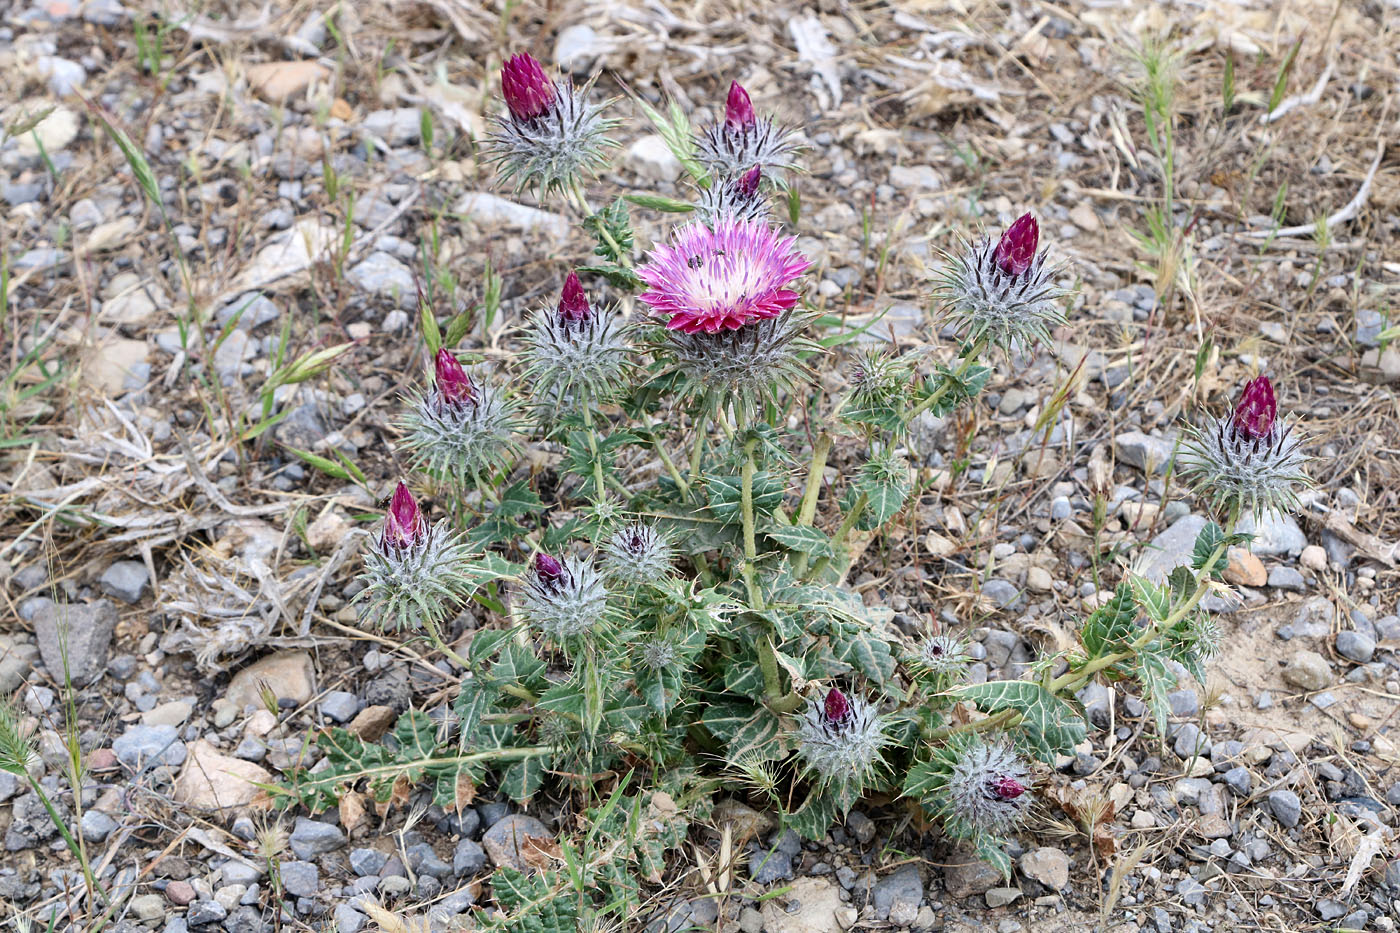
[289, 675]
[141, 747]
[1308, 670]
[510, 840]
[818, 909]
[1147, 453]
[1047, 865]
[1171, 548]
[897, 895]
[966, 875]
[1275, 535]
[213, 781]
[81, 632]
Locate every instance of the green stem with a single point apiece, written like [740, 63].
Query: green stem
[670, 464]
[1007, 717]
[807, 511]
[577, 190]
[750, 547]
[598, 483]
[839, 538]
[973, 352]
[97, 890]
[701, 426]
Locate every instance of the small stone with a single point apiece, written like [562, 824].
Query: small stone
[148, 907]
[75, 638]
[1047, 865]
[768, 865]
[173, 713]
[1184, 702]
[97, 826]
[365, 862]
[901, 889]
[965, 875]
[1244, 569]
[1171, 548]
[1001, 592]
[1238, 780]
[1060, 508]
[348, 919]
[340, 705]
[203, 913]
[1356, 646]
[1307, 670]
[1313, 557]
[63, 76]
[1150, 454]
[125, 580]
[1287, 578]
[142, 746]
[300, 879]
[1275, 535]
[311, 838]
[509, 839]
[1329, 909]
[861, 826]
[1286, 807]
[468, 858]
[1001, 897]
[1039, 580]
[180, 893]
[287, 675]
[372, 722]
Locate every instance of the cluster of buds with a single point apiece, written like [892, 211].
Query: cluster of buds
[840, 737]
[562, 598]
[1249, 461]
[414, 572]
[462, 427]
[574, 348]
[743, 140]
[550, 135]
[979, 788]
[1002, 293]
[637, 554]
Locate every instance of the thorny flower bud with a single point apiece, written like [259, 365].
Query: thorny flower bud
[738, 109]
[1248, 460]
[1002, 292]
[737, 198]
[1016, 248]
[404, 525]
[528, 91]
[562, 598]
[944, 656]
[637, 553]
[840, 737]
[573, 303]
[743, 140]
[979, 787]
[748, 182]
[550, 135]
[454, 386]
[417, 572]
[1256, 410]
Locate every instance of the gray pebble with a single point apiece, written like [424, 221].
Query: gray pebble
[1238, 780]
[468, 858]
[300, 879]
[311, 838]
[1287, 578]
[1286, 807]
[140, 746]
[340, 705]
[126, 580]
[1060, 509]
[1356, 646]
[203, 913]
[97, 826]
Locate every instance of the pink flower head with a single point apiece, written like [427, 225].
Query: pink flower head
[404, 525]
[1005, 788]
[453, 384]
[1257, 409]
[1016, 249]
[738, 109]
[835, 707]
[528, 91]
[548, 571]
[748, 182]
[573, 303]
[709, 280]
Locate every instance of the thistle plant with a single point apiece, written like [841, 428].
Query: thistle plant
[663, 591]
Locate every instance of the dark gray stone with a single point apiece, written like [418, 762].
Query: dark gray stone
[1002, 592]
[1238, 780]
[300, 879]
[349, 920]
[768, 866]
[82, 632]
[311, 838]
[900, 891]
[863, 827]
[1184, 702]
[203, 913]
[468, 858]
[97, 826]
[125, 580]
[340, 706]
[492, 812]
[1286, 807]
[1287, 578]
[1147, 453]
[1356, 646]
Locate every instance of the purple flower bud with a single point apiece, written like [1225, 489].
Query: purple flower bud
[573, 303]
[528, 91]
[836, 708]
[1257, 409]
[748, 182]
[453, 384]
[1005, 788]
[1016, 249]
[404, 525]
[548, 571]
[738, 109]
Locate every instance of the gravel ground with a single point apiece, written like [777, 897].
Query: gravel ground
[195, 573]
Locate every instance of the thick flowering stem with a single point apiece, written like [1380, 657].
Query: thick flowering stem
[807, 511]
[581, 200]
[746, 504]
[849, 522]
[593, 449]
[1006, 718]
[937, 394]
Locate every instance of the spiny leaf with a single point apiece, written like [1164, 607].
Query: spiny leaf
[1050, 725]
